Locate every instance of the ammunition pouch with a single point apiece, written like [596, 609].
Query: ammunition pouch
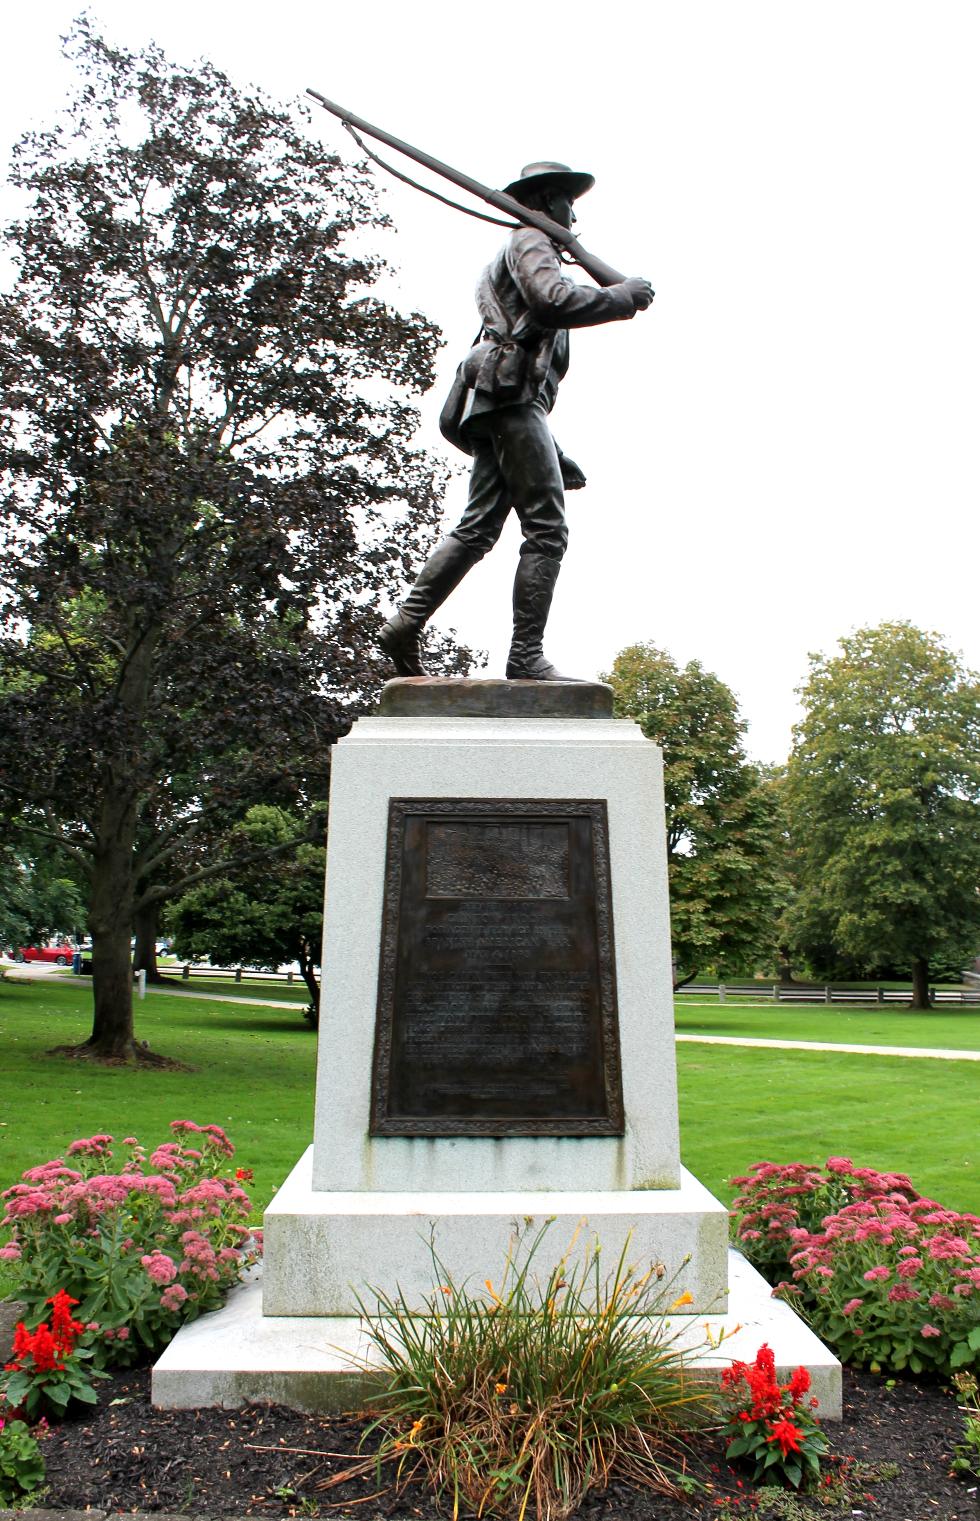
[496, 367]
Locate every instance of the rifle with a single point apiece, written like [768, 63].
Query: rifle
[602, 273]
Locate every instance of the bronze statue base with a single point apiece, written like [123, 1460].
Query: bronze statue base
[466, 697]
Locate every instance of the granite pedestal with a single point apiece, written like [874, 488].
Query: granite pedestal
[524, 816]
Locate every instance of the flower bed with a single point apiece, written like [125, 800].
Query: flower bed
[140, 1248]
[890, 1280]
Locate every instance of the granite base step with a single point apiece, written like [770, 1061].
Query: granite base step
[237, 1355]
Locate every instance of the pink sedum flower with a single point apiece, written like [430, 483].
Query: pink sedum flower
[159, 1267]
[173, 1297]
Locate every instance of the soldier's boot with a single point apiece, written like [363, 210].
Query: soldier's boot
[534, 587]
[440, 575]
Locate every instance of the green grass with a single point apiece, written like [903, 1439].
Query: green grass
[251, 1070]
[739, 1105]
[955, 1027]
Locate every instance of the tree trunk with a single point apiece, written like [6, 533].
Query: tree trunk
[682, 982]
[112, 985]
[783, 959]
[110, 918]
[920, 984]
[146, 924]
[309, 977]
[112, 900]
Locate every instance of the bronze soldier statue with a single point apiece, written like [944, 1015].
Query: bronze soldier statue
[497, 412]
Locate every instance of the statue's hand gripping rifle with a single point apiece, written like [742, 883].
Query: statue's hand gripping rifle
[602, 273]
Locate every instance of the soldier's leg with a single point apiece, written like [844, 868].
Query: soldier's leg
[528, 461]
[477, 531]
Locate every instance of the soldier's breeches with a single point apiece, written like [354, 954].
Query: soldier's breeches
[515, 466]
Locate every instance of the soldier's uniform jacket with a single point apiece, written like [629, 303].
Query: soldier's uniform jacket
[526, 305]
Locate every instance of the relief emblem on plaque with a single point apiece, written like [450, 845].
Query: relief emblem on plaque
[496, 993]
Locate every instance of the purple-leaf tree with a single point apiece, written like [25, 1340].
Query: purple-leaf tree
[208, 480]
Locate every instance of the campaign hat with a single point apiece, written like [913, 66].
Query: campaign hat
[534, 177]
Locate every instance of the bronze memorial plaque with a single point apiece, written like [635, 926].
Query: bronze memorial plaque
[497, 995]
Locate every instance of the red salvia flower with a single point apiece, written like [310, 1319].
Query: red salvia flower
[786, 1434]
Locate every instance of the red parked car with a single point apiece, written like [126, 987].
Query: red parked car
[60, 954]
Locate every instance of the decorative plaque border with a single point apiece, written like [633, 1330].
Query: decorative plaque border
[612, 1123]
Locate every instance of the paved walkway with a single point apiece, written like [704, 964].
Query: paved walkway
[937, 1053]
[33, 971]
[253, 1003]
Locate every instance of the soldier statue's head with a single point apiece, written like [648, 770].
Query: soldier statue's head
[550, 188]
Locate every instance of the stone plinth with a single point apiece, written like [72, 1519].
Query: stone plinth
[496, 1047]
[499, 758]
[322, 1249]
[239, 1354]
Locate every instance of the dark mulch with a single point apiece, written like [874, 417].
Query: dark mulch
[270, 1461]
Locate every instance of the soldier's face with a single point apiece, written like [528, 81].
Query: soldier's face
[561, 210]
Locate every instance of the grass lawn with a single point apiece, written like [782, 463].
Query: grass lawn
[739, 1106]
[954, 1027]
[252, 1071]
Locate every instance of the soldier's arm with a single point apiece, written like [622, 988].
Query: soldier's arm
[555, 301]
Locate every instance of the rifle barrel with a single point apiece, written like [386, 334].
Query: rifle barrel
[602, 273]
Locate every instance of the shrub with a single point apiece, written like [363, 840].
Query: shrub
[893, 1284]
[140, 1249]
[769, 1428]
[530, 1396]
[21, 1463]
[776, 1200]
[888, 1279]
[48, 1368]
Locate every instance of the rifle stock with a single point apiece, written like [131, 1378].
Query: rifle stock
[602, 273]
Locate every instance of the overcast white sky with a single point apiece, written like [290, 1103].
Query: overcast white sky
[784, 447]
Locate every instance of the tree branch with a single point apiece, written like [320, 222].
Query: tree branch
[230, 863]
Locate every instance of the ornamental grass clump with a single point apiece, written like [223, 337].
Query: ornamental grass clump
[771, 1428]
[139, 1247]
[966, 1454]
[520, 1400]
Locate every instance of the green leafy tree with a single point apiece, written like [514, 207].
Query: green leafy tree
[264, 914]
[722, 819]
[884, 802]
[38, 898]
[208, 482]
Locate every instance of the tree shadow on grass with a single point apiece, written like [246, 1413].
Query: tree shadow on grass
[284, 1026]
